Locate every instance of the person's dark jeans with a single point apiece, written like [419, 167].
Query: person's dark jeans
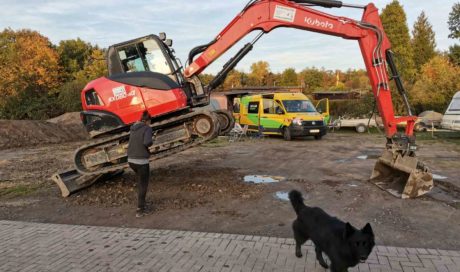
[142, 176]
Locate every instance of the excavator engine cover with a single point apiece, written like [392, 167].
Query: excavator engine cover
[401, 176]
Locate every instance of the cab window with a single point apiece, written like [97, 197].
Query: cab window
[92, 98]
[144, 56]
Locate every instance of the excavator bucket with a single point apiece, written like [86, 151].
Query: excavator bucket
[401, 176]
[72, 181]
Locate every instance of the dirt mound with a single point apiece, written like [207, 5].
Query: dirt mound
[17, 133]
[171, 188]
[69, 118]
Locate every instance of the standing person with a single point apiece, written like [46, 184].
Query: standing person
[140, 139]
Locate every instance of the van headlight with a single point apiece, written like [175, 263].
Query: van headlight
[297, 121]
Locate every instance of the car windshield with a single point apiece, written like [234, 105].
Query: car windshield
[455, 106]
[298, 106]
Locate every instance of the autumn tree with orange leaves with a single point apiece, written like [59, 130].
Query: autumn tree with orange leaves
[28, 61]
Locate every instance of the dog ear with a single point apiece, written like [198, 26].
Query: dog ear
[349, 230]
[367, 229]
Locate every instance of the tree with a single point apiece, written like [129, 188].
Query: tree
[454, 54]
[436, 85]
[423, 41]
[69, 93]
[206, 78]
[454, 21]
[356, 80]
[395, 24]
[259, 73]
[311, 78]
[289, 77]
[73, 56]
[233, 80]
[94, 67]
[27, 62]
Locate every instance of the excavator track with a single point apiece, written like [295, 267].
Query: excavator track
[171, 136]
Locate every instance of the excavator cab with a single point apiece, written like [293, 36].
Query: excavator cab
[146, 54]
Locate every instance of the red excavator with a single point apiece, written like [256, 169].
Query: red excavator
[144, 74]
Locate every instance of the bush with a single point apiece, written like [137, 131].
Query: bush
[69, 95]
[352, 108]
[29, 104]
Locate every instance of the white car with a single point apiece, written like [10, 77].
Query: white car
[451, 119]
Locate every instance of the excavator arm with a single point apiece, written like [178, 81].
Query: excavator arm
[397, 171]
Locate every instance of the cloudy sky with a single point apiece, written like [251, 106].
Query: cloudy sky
[194, 22]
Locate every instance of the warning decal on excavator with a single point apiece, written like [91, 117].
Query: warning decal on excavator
[284, 13]
[120, 93]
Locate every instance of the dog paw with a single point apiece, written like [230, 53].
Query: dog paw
[298, 255]
[324, 265]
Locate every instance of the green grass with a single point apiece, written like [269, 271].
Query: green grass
[18, 190]
[450, 137]
[217, 142]
[444, 136]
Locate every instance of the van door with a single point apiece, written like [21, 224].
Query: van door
[271, 116]
[249, 113]
[323, 107]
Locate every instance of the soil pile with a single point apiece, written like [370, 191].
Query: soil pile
[69, 118]
[172, 188]
[62, 129]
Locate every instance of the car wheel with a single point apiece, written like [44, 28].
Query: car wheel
[287, 134]
[361, 128]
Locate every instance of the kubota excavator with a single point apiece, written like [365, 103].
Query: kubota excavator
[144, 74]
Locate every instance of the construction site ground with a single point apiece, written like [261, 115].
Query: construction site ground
[203, 189]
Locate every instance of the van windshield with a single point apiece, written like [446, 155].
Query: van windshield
[455, 106]
[298, 106]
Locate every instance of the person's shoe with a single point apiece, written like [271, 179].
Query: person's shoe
[140, 212]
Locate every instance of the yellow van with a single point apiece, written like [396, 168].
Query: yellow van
[287, 114]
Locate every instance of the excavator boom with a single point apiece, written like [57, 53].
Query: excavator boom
[397, 171]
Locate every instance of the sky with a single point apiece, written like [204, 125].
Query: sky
[194, 22]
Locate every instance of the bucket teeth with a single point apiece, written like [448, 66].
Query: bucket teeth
[401, 176]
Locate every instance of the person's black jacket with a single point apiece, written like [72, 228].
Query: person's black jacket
[140, 139]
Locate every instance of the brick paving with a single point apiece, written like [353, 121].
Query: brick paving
[51, 247]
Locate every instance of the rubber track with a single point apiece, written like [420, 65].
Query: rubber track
[167, 123]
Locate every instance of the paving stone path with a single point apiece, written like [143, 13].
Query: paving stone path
[51, 247]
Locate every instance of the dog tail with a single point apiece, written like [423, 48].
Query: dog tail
[296, 200]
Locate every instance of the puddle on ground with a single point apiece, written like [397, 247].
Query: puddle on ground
[441, 195]
[281, 195]
[366, 156]
[435, 176]
[342, 160]
[262, 179]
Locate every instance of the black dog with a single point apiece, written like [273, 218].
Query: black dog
[345, 245]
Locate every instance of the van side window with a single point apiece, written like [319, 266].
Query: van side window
[253, 107]
[269, 106]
